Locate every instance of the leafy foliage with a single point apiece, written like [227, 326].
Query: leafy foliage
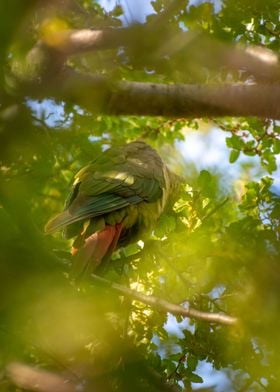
[215, 251]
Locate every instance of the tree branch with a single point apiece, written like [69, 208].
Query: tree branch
[100, 94]
[204, 51]
[43, 74]
[39, 380]
[165, 306]
[70, 42]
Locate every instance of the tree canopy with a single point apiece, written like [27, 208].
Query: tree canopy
[201, 290]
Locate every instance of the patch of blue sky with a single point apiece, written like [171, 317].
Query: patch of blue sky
[175, 328]
[104, 136]
[215, 380]
[217, 291]
[138, 10]
[208, 151]
[52, 113]
[216, 3]
[135, 11]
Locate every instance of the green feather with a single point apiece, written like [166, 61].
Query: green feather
[121, 177]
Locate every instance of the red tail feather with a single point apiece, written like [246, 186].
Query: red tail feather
[95, 249]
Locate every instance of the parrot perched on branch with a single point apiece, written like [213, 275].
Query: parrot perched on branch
[113, 199]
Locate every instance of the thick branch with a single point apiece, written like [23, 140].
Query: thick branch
[165, 306]
[71, 42]
[43, 75]
[98, 94]
[34, 379]
[204, 51]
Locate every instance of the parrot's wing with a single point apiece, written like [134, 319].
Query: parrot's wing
[92, 207]
[134, 169]
[117, 179]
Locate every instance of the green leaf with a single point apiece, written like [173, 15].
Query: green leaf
[234, 154]
[276, 146]
[269, 161]
[131, 249]
[170, 367]
[276, 128]
[192, 362]
[249, 153]
[206, 183]
[196, 378]
[117, 11]
[166, 224]
[235, 142]
[204, 180]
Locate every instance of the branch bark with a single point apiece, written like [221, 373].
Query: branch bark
[204, 51]
[70, 42]
[164, 306]
[34, 379]
[101, 95]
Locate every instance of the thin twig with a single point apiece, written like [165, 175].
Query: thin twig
[215, 209]
[182, 359]
[165, 306]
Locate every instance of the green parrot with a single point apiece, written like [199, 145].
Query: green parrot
[113, 199]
